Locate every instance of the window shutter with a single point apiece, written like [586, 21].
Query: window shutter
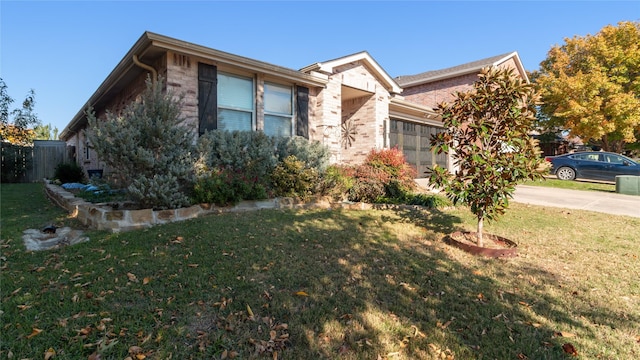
[207, 98]
[302, 111]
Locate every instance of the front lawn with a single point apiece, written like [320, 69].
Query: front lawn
[321, 284]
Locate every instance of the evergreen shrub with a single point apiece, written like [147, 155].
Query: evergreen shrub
[313, 154]
[251, 152]
[293, 178]
[147, 148]
[69, 172]
[224, 187]
[336, 182]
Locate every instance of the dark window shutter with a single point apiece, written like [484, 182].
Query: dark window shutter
[302, 111]
[207, 98]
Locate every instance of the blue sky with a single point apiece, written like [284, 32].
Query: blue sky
[64, 50]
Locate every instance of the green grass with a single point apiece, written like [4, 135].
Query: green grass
[347, 284]
[573, 185]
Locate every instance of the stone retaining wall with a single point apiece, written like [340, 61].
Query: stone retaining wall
[104, 217]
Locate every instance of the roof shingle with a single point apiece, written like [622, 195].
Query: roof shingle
[442, 73]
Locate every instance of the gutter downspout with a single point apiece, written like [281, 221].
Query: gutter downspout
[154, 73]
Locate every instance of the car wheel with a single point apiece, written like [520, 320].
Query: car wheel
[566, 173]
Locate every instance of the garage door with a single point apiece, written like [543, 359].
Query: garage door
[413, 139]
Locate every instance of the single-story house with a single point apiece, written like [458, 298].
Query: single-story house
[350, 104]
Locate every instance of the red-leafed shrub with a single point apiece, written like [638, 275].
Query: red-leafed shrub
[384, 174]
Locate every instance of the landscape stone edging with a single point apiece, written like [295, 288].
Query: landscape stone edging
[103, 217]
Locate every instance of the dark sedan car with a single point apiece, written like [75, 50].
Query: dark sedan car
[594, 165]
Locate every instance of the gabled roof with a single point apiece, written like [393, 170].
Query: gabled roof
[468, 68]
[327, 67]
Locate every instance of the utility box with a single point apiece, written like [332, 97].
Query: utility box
[628, 184]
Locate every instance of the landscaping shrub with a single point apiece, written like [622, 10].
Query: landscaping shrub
[384, 175]
[224, 187]
[69, 173]
[251, 152]
[428, 200]
[293, 178]
[369, 183]
[336, 182]
[313, 154]
[147, 148]
[393, 163]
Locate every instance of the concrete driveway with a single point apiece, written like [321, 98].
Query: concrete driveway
[600, 201]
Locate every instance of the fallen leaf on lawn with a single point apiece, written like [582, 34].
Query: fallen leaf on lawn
[146, 280]
[522, 356]
[523, 303]
[178, 240]
[49, 354]
[638, 338]
[16, 291]
[133, 350]
[249, 311]
[95, 356]
[23, 307]
[301, 293]
[564, 334]
[570, 349]
[35, 332]
[132, 277]
[477, 272]
[193, 265]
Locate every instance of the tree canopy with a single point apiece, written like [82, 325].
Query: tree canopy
[590, 86]
[14, 124]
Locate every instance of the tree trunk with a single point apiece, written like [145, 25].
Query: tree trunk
[479, 232]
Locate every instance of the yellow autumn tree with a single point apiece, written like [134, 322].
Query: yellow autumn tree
[591, 86]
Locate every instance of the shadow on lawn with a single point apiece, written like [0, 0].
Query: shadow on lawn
[411, 299]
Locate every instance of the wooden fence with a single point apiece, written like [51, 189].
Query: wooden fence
[34, 163]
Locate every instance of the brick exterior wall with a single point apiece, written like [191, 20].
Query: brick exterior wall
[182, 81]
[327, 111]
[433, 93]
[368, 113]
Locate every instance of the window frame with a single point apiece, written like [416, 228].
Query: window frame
[252, 111]
[267, 113]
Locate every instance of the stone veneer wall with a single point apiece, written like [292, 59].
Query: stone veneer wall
[104, 217]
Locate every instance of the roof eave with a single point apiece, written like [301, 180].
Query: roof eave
[113, 77]
[149, 40]
[186, 48]
[328, 66]
[398, 106]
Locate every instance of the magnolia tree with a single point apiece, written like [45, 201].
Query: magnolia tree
[487, 134]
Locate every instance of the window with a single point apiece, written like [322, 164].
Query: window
[614, 159]
[235, 102]
[87, 151]
[587, 157]
[278, 110]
